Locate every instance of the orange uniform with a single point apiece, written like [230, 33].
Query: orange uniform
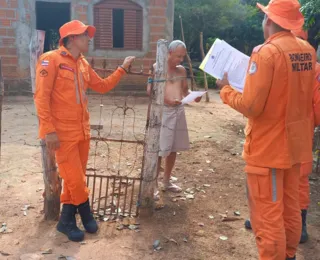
[277, 101]
[61, 102]
[306, 168]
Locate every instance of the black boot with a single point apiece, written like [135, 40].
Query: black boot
[293, 258]
[88, 221]
[247, 224]
[67, 223]
[304, 234]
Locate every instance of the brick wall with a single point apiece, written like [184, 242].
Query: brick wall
[8, 50]
[10, 57]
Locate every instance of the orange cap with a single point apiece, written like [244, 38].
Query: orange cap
[301, 34]
[285, 13]
[75, 27]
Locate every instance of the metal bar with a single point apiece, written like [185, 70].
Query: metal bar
[125, 196]
[114, 176]
[129, 72]
[99, 194]
[118, 204]
[113, 187]
[131, 202]
[138, 202]
[105, 201]
[93, 190]
[116, 140]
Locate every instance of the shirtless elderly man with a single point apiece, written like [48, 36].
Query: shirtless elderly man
[174, 132]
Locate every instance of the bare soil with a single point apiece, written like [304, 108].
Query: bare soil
[216, 133]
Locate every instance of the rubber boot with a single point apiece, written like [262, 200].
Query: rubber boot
[67, 223]
[247, 224]
[88, 221]
[304, 234]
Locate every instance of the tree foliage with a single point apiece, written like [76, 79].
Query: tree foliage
[239, 22]
[311, 12]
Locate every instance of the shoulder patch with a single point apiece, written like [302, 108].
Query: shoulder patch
[45, 63]
[319, 78]
[43, 73]
[253, 68]
[63, 53]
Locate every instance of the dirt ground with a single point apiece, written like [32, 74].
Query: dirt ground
[216, 133]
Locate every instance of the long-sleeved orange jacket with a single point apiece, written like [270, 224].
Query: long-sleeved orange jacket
[60, 97]
[277, 100]
[316, 96]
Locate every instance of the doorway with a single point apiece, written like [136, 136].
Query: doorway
[50, 17]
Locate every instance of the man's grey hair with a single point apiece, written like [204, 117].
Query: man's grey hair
[175, 44]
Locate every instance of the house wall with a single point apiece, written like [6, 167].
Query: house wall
[18, 19]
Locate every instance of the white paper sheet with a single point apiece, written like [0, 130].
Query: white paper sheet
[192, 96]
[222, 58]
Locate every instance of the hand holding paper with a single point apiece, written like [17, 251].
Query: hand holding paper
[224, 58]
[192, 97]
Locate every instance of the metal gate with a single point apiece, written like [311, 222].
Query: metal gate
[114, 171]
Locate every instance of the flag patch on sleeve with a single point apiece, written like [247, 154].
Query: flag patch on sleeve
[45, 63]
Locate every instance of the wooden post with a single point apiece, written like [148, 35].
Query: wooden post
[204, 74]
[36, 49]
[193, 82]
[1, 101]
[52, 182]
[151, 147]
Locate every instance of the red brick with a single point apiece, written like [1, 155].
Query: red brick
[5, 22]
[157, 29]
[12, 51]
[13, 3]
[157, 11]
[82, 17]
[8, 51]
[3, 3]
[10, 13]
[9, 71]
[3, 51]
[157, 20]
[158, 3]
[10, 60]
[3, 32]
[8, 41]
[2, 13]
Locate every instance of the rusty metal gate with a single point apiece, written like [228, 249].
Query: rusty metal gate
[114, 171]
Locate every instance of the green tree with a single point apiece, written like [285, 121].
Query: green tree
[236, 21]
[311, 12]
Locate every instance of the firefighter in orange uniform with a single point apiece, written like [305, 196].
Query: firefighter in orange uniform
[277, 100]
[306, 167]
[62, 78]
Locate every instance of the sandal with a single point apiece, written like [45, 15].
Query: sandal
[172, 187]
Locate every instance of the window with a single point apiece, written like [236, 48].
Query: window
[119, 25]
[118, 28]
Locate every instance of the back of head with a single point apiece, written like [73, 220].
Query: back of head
[176, 44]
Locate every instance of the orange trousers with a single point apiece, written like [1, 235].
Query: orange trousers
[72, 158]
[304, 186]
[275, 216]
